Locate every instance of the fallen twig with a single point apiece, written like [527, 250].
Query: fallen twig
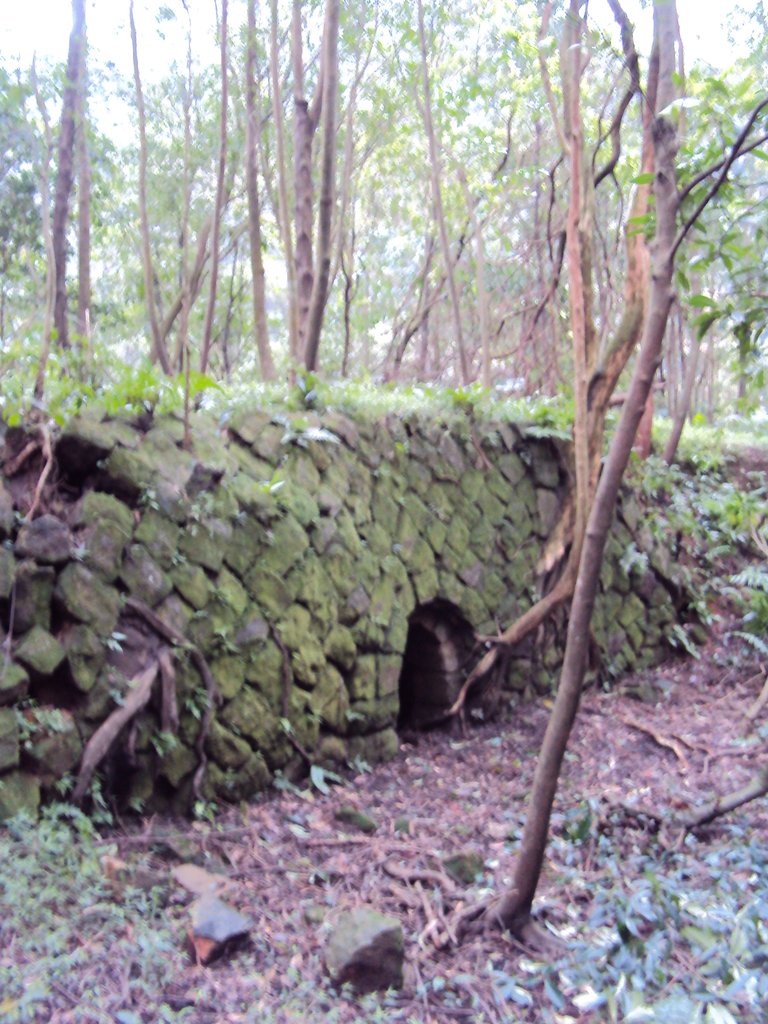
[755, 788]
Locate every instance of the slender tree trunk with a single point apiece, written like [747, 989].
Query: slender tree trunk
[50, 262]
[480, 281]
[66, 167]
[305, 120]
[219, 200]
[284, 219]
[330, 83]
[254, 206]
[437, 199]
[83, 206]
[515, 907]
[684, 402]
[159, 351]
[182, 337]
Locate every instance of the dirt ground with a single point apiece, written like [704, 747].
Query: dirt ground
[664, 740]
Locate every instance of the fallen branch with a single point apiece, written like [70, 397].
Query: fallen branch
[671, 743]
[755, 788]
[100, 743]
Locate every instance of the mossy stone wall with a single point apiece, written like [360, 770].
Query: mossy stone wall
[290, 550]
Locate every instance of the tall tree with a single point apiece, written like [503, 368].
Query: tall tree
[330, 85]
[74, 85]
[159, 350]
[283, 216]
[218, 203]
[254, 205]
[514, 909]
[437, 198]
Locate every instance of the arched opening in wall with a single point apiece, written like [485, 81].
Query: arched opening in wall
[439, 653]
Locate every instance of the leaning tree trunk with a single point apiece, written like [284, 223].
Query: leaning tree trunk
[515, 908]
[66, 169]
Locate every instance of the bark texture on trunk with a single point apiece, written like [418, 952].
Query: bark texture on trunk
[66, 167]
[159, 352]
[218, 203]
[515, 907]
[283, 216]
[330, 83]
[437, 200]
[254, 205]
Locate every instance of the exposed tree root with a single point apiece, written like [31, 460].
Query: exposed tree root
[12, 468]
[45, 473]
[171, 634]
[100, 743]
[516, 633]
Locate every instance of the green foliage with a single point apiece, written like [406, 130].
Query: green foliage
[67, 931]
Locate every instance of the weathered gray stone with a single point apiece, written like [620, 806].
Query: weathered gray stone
[46, 540]
[365, 949]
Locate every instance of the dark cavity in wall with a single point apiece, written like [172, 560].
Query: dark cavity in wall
[439, 653]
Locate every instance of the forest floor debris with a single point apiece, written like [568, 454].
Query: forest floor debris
[629, 899]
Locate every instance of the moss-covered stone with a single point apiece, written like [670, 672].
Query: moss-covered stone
[40, 651]
[375, 748]
[230, 591]
[143, 576]
[159, 536]
[265, 669]
[19, 794]
[177, 763]
[225, 747]
[88, 599]
[7, 572]
[192, 583]
[54, 746]
[229, 673]
[248, 539]
[330, 698]
[286, 547]
[97, 506]
[340, 647]
[204, 543]
[14, 682]
[34, 592]
[86, 654]
[9, 739]
[362, 681]
[241, 783]
[249, 715]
